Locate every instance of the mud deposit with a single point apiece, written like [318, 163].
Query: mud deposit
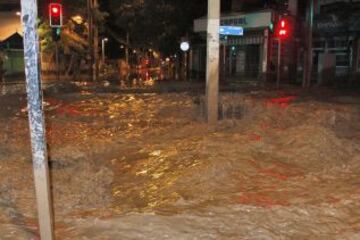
[144, 166]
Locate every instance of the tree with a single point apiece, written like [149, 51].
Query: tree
[72, 44]
[156, 23]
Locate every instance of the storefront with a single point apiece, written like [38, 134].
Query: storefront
[336, 43]
[242, 57]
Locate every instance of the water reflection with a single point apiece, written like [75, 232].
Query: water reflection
[144, 77]
[149, 182]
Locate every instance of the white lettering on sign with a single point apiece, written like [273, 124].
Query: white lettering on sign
[234, 21]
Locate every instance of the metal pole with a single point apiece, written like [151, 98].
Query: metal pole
[36, 118]
[57, 61]
[90, 39]
[96, 42]
[309, 54]
[191, 55]
[224, 61]
[212, 61]
[127, 48]
[278, 66]
[103, 50]
[185, 66]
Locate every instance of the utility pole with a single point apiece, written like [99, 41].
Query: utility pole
[29, 16]
[212, 61]
[309, 40]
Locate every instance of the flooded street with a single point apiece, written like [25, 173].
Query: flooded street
[145, 166]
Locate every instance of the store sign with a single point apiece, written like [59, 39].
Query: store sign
[231, 31]
[329, 24]
[246, 21]
[234, 21]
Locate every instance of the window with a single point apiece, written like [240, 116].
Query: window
[342, 60]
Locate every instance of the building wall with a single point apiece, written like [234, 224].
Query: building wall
[332, 39]
[326, 2]
[14, 63]
[246, 5]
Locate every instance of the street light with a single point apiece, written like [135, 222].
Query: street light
[185, 46]
[103, 41]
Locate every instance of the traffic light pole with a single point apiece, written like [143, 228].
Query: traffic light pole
[57, 61]
[36, 118]
[212, 61]
[278, 71]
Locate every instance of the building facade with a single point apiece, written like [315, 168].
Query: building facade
[336, 46]
[252, 56]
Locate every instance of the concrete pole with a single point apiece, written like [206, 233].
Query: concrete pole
[212, 61]
[36, 118]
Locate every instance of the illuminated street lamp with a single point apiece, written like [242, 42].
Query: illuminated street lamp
[103, 41]
[185, 46]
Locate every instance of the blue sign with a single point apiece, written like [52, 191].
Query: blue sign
[231, 30]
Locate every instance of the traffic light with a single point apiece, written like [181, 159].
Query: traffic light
[55, 15]
[56, 34]
[283, 29]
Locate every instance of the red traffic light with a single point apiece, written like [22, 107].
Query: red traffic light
[283, 29]
[55, 14]
[55, 11]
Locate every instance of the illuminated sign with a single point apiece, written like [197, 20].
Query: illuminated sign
[231, 30]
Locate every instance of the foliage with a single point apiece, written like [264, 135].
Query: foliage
[73, 34]
[156, 23]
